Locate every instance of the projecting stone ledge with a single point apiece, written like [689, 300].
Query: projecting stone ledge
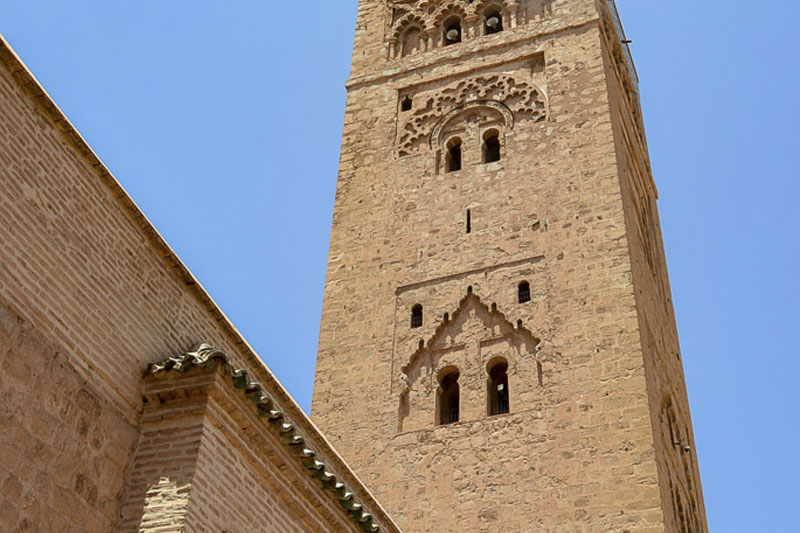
[206, 420]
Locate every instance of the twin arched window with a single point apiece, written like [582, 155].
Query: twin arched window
[492, 23]
[490, 150]
[448, 396]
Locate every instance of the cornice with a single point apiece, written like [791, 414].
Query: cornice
[337, 480]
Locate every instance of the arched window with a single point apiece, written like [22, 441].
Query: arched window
[491, 146]
[524, 292]
[499, 403]
[416, 316]
[493, 21]
[411, 42]
[406, 104]
[452, 31]
[448, 397]
[453, 158]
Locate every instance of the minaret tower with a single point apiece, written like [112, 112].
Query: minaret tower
[498, 349]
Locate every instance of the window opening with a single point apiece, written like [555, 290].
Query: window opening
[494, 22]
[453, 160]
[491, 146]
[405, 105]
[469, 221]
[449, 399]
[416, 316]
[452, 32]
[499, 403]
[411, 43]
[524, 292]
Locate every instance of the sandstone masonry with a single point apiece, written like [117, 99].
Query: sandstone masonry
[498, 350]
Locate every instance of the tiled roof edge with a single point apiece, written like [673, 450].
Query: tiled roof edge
[29, 84]
[206, 357]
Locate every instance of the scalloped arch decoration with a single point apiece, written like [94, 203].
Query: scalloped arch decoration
[515, 98]
[474, 335]
[407, 22]
[446, 11]
[435, 140]
[431, 14]
[498, 319]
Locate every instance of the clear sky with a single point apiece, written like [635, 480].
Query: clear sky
[223, 121]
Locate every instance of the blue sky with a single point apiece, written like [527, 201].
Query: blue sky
[223, 121]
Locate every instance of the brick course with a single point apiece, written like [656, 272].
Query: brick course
[64, 450]
[90, 295]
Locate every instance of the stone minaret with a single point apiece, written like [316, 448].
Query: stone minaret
[498, 348]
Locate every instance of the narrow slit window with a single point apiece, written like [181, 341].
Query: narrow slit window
[499, 399]
[469, 221]
[416, 316]
[491, 146]
[449, 399]
[524, 292]
[494, 22]
[453, 159]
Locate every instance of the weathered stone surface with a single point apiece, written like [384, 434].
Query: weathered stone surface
[569, 208]
[597, 436]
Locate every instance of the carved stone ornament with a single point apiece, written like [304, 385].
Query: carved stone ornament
[493, 97]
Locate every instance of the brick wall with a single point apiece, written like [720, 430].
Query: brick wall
[63, 448]
[206, 462]
[90, 295]
[88, 282]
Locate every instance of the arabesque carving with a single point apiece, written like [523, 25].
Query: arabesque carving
[467, 340]
[513, 98]
[495, 323]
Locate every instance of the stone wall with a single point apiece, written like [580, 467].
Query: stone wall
[577, 452]
[682, 496]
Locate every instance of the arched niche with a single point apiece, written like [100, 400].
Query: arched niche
[473, 331]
